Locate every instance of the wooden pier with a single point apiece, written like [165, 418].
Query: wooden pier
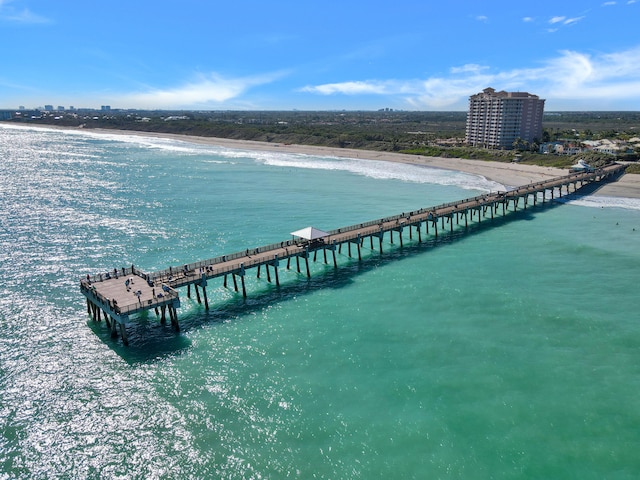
[123, 292]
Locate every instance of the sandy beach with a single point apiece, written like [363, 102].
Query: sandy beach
[508, 174]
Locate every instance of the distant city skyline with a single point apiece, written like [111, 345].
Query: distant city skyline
[285, 55]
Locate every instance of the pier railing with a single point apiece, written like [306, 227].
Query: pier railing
[395, 218]
[195, 266]
[115, 273]
[212, 262]
[439, 210]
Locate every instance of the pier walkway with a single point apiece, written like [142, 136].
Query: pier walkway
[123, 292]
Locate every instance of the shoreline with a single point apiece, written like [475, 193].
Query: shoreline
[511, 175]
[508, 174]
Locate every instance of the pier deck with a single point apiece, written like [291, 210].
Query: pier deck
[127, 291]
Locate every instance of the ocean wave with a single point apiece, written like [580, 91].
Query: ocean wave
[377, 169]
[155, 143]
[370, 168]
[601, 201]
[140, 140]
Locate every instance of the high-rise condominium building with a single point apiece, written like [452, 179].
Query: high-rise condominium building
[498, 119]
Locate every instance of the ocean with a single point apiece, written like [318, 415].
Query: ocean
[511, 351]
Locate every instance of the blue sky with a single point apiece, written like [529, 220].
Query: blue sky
[317, 55]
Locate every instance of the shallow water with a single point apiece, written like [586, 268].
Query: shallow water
[508, 352]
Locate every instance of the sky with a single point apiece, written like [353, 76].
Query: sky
[422, 55]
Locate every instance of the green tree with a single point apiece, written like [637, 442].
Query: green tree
[520, 144]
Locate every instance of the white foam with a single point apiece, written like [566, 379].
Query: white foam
[372, 168]
[597, 201]
[156, 143]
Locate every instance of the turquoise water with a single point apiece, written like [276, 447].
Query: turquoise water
[510, 352]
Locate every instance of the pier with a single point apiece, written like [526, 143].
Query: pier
[117, 295]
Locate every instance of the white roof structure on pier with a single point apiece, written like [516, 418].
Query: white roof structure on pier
[310, 233]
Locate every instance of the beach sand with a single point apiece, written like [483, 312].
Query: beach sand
[508, 174]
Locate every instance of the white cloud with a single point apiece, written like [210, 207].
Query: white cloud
[24, 16]
[352, 88]
[608, 4]
[528, 19]
[562, 20]
[600, 79]
[204, 91]
[570, 21]
[469, 67]
[482, 18]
